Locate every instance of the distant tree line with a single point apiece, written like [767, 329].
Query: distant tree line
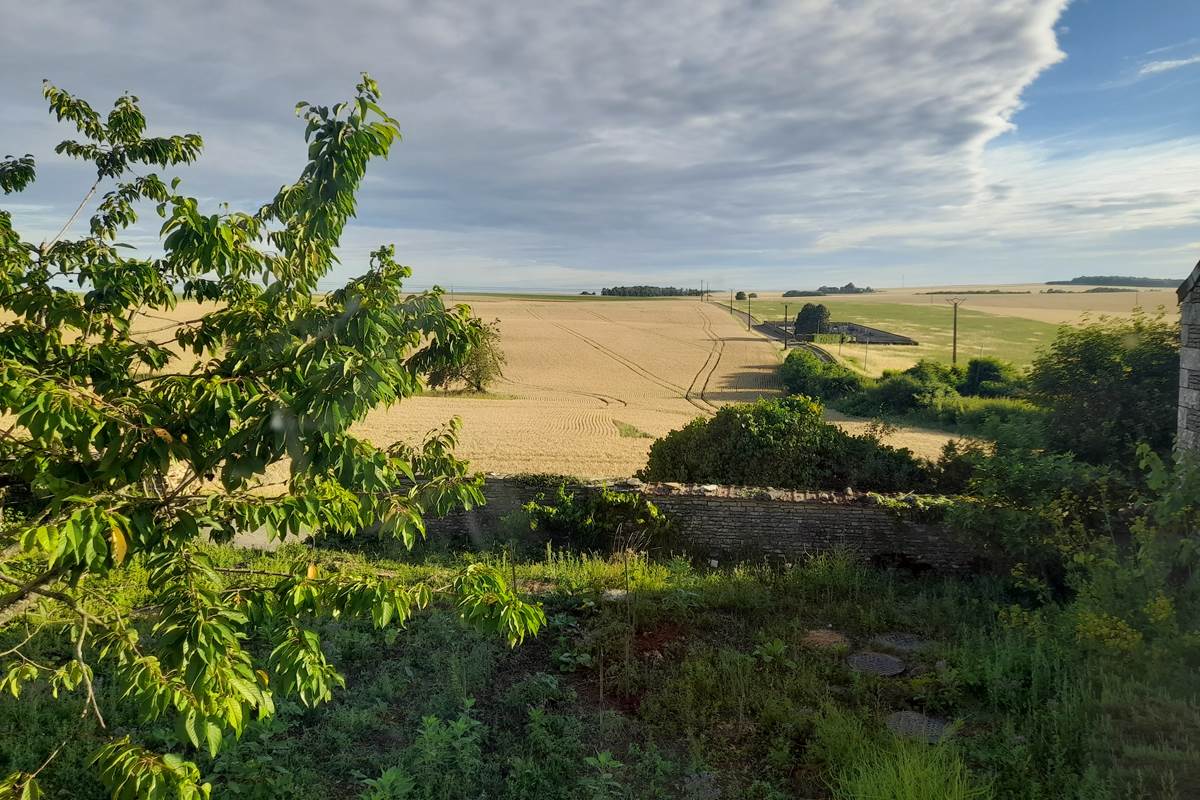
[1118, 280]
[849, 288]
[648, 291]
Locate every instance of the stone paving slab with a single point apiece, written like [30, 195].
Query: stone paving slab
[914, 725]
[876, 663]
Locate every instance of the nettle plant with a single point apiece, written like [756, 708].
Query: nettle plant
[134, 438]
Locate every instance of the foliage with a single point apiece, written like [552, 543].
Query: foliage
[911, 771]
[783, 443]
[1109, 385]
[926, 393]
[1036, 512]
[135, 448]
[740, 296]
[601, 520]
[804, 373]
[924, 508]
[482, 366]
[812, 318]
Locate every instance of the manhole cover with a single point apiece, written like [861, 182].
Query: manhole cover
[901, 642]
[825, 639]
[911, 725]
[876, 663]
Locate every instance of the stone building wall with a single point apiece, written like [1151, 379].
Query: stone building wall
[1189, 372]
[735, 523]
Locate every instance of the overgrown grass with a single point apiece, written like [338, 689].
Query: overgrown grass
[628, 431]
[658, 679]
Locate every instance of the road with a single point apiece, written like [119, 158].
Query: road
[774, 331]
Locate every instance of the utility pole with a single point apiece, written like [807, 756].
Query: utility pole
[785, 326]
[731, 301]
[747, 311]
[956, 302]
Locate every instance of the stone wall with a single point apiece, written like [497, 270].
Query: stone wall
[735, 523]
[1189, 373]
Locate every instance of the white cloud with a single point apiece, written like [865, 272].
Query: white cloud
[580, 141]
[1155, 67]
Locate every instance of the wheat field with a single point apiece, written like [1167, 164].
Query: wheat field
[589, 384]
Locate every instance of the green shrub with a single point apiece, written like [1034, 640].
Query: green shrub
[804, 373]
[934, 373]
[445, 762]
[783, 443]
[990, 377]
[897, 394]
[599, 520]
[981, 415]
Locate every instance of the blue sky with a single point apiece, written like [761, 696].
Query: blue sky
[580, 143]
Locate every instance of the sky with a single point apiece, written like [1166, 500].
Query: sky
[752, 144]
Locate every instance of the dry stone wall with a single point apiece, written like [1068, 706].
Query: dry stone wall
[736, 523]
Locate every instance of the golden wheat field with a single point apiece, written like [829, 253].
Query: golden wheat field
[589, 384]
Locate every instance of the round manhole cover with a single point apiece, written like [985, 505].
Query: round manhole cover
[876, 663]
[826, 639]
[912, 725]
[901, 642]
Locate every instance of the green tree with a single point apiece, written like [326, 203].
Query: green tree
[1109, 385]
[482, 366]
[740, 296]
[134, 444]
[813, 318]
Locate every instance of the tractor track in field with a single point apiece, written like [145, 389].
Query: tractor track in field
[643, 331]
[606, 399]
[629, 364]
[708, 367]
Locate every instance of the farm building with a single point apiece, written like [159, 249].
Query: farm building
[1189, 363]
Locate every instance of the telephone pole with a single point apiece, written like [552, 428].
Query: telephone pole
[956, 302]
[747, 311]
[785, 326]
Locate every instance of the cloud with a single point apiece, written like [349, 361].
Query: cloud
[575, 142]
[1155, 67]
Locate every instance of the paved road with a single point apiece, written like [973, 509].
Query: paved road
[773, 330]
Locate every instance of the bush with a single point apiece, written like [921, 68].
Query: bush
[1109, 385]
[602, 520]
[933, 373]
[740, 296]
[981, 415]
[783, 443]
[897, 394]
[804, 373]
[990, 377]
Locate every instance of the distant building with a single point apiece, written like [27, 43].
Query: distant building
[1189, 363]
